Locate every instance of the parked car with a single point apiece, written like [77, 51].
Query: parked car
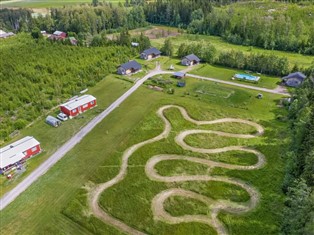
[62, 117]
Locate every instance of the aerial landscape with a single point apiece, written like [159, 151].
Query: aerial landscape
[172, 117]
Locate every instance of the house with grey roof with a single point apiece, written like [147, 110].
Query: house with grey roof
[190, 60]
[129, 68]
[150, 53]
[294, 79]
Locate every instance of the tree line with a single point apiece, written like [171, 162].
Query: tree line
[86, 19]
[298, 216]
[244, 25]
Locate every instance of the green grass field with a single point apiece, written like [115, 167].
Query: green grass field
[48, 3]
[56, 203]
[220, 44]
[210, 71]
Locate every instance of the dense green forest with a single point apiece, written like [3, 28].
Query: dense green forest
[37, 76]
[298, 217]
[288, 27]
[269, 25]
[78, 19]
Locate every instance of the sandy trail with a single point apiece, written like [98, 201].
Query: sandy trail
[158, 201]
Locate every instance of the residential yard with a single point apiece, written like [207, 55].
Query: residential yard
[57, 202]
[208, 70]
[224, 73]
[52, 138]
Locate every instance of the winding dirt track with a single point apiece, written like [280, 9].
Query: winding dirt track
[158, 202]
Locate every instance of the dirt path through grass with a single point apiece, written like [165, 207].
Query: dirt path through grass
[158, 201]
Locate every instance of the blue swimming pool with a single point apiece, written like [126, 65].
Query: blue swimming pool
[247, 77]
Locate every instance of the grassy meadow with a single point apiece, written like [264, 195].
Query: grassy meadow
[57, 202]
[220, 44]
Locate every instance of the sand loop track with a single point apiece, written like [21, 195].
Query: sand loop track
[158, 202]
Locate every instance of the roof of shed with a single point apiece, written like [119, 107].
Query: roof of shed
[58, 33]
[77, 102]
[13, 152]
[179, 74]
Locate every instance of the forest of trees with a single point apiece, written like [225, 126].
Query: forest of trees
[245, 25]
[53, 73]
[78, 19]
[298, 216]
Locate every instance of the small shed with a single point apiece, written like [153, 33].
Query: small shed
[294, 79]
[150, 53]
[190, 60]
[129, 68]
[179, 75]
[78, 105]
[52, 121]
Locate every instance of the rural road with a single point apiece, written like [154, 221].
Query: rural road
[45, 166]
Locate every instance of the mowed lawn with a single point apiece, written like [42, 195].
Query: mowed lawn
[56, 203]
[210, 71]
[48, 3]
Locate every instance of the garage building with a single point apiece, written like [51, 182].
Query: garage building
[78, 105]
[16, 153]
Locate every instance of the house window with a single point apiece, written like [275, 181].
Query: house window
[34, 149]
[74, 111]
[92, 102]
[85, 106]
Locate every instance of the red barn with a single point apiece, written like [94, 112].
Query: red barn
[16, 153]
[58, 35]
[78, 105]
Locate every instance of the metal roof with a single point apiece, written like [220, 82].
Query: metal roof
[151, 51]
[58, 33]
[295, 75]
[179, 74]
[131, 65]
[79, 101]
[13, 152]
[192, 57]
